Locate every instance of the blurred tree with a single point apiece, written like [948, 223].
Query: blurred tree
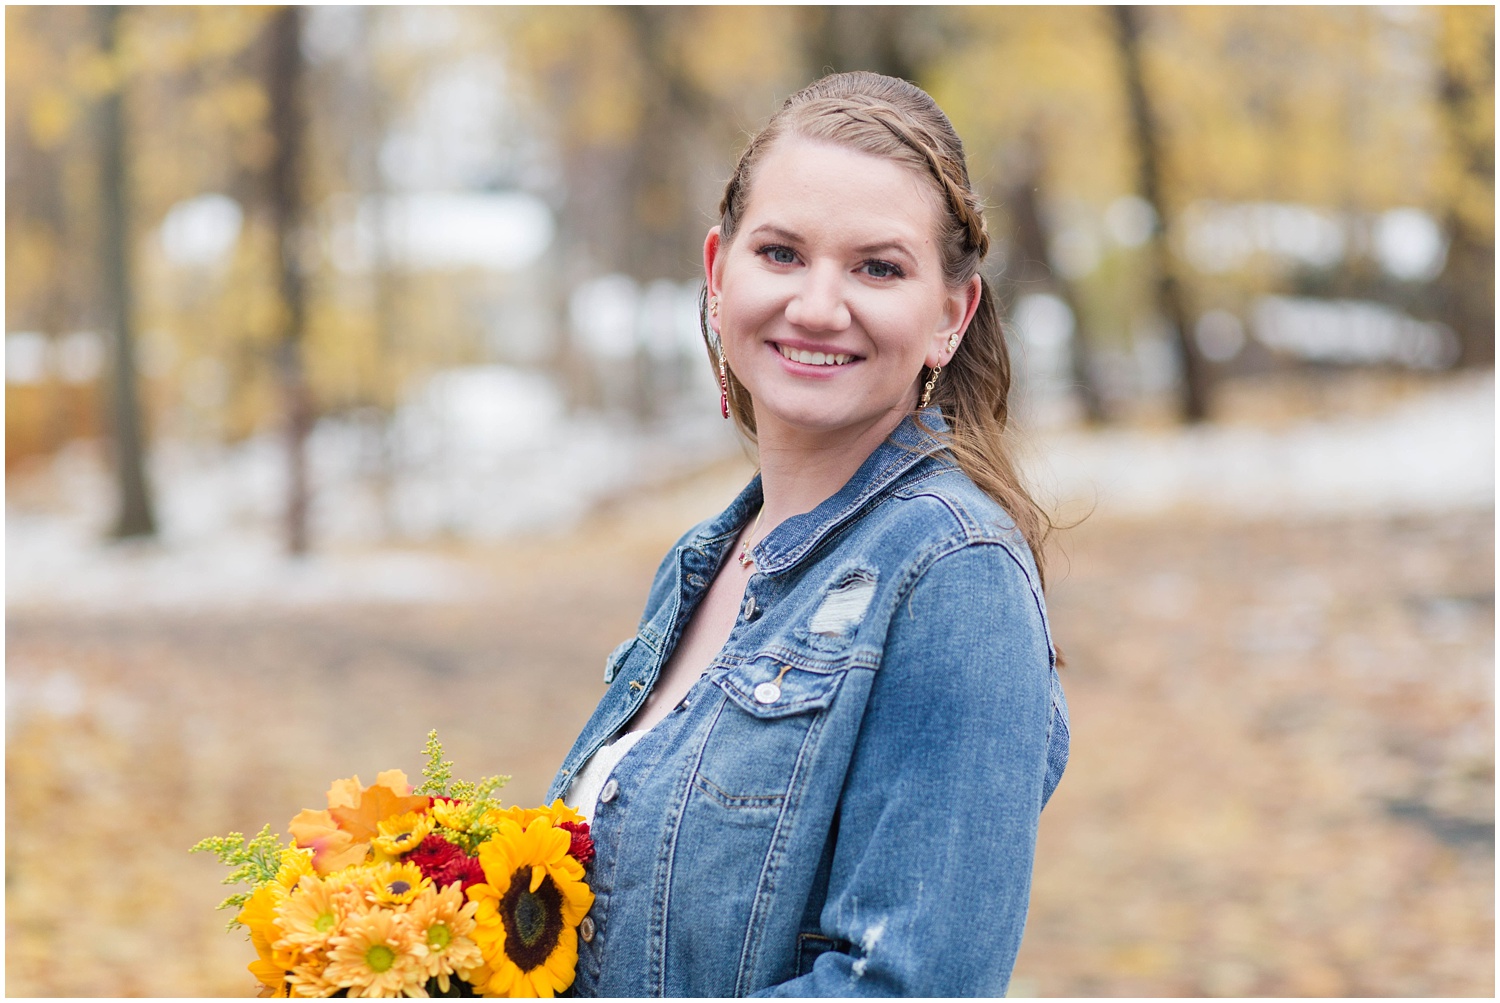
[1153, 186]
[135, 516]
[1033, 270]
[284, 85]
[645, 106]
[879, 39]
[1466, 95]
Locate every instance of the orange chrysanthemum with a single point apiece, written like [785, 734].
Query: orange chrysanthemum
[445, 923]
[377, 955]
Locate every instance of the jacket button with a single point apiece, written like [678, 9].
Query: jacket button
[586, 930]
[767, 693]
[751, 610]
[610, 790]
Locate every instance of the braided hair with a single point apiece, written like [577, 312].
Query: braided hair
[891, 118]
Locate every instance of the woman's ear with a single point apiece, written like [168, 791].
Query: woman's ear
[958, 312]
[713, 248]
[713, 268]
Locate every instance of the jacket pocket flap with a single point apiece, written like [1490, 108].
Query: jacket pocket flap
[767, 688]
[616, 659]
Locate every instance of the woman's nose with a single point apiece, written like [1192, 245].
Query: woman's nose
[819, 301]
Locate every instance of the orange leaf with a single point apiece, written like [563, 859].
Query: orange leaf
[376, 804]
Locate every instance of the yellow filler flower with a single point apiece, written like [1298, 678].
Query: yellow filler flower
[530, 905]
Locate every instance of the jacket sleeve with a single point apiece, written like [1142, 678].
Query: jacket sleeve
[931, 868]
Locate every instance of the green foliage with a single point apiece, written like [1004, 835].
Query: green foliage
[255, 862]
[438, 772]
[472, 830]
[438, 782]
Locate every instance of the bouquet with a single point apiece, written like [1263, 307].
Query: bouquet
[391, 891]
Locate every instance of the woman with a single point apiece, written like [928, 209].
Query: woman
[819, 764]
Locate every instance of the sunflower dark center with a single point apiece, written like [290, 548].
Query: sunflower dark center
[533, 920]
[400, 887]
[402, 837]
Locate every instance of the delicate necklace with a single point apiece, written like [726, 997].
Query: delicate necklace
[745, 559]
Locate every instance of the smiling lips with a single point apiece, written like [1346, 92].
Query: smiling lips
[814, 358]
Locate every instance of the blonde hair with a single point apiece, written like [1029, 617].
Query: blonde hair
[891, 118]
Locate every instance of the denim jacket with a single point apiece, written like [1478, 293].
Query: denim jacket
[846, 802]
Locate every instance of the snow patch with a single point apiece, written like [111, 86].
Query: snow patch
[1434, 453]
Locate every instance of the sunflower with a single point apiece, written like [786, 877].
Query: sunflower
[556, 813]
[397, 884]
[377, 955]
[402, 833]
[445, 922]
[530, 905]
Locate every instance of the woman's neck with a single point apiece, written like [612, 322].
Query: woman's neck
[798, 472]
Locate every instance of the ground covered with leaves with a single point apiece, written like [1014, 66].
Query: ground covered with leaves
[1281, 783]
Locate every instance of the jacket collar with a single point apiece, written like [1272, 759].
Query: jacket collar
[906, 446]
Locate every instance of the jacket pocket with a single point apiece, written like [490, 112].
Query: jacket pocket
[766, 688]
[761, 732]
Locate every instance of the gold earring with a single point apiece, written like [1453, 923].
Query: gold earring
[952, 342]
[723, 386]
[931, 382]
[713, 307]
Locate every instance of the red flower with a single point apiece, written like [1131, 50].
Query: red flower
[445, 863]
[582, 846]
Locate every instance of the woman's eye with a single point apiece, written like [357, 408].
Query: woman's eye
[780, 255]
[882, 270]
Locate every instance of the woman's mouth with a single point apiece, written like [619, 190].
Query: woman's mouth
[814, 358]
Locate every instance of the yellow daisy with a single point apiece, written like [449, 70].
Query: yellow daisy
[377, 955]
[530, 905]
[402, 833]
[445, 922]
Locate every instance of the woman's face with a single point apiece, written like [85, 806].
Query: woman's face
[832, 299]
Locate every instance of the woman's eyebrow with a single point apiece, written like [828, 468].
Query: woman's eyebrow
[885, 247]
[792, 237]
[772, 230]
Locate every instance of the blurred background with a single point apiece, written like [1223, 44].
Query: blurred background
[353, 388]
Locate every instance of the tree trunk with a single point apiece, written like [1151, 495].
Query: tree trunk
[284, 86]
[1147, 134]
[1036, 269]
[135, 516]
[1467, 284]
[875, 38]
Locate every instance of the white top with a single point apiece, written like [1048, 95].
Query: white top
[583, 793]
